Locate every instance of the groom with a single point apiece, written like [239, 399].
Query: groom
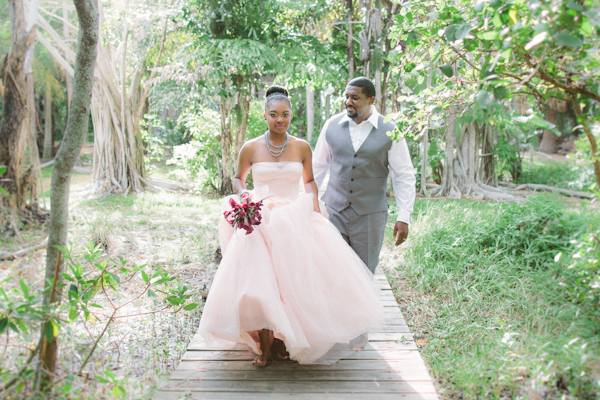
[354, 145]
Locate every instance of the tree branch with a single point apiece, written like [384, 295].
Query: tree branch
[553, 81]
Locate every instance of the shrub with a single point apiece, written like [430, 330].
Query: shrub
[580, 274]
[202, 156]
[89, 290]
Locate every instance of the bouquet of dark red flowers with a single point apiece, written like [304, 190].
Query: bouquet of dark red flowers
[244, 215]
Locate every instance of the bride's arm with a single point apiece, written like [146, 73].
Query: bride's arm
[307, 174]
[244, 164]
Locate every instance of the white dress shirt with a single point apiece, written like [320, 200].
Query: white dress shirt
[403, 176]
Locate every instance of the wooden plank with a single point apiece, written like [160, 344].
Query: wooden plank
[197, 344]
[246, 355]
[390, 367]
[395, 328]
[412, 362]
[300, 387]
[380, 336]
[400, 344]
[393, 320]
[258, 374]
[293, 396]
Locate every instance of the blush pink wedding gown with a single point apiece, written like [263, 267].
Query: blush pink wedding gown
[294, 275]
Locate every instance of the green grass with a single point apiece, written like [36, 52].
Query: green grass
[485, 296]
[565, 175]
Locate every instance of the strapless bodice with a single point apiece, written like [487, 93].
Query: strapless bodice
[282, 178]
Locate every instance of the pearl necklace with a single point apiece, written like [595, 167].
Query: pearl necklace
[278, 149]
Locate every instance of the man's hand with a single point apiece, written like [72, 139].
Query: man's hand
[400, 232]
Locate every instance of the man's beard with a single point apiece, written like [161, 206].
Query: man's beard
[355, 115]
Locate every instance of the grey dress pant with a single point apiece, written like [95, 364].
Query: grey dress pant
[364, 233]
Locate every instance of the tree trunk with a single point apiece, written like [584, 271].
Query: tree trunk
[310, 111]
[377, 53]
[87, 12]
[384, 88]
[242, 113]
[226, 141]
[350, 39]
[488, 173]
[118, 162]
[378, 96]
[423, 189]
[67, 36]
[14, 112]
[448, 185]
[48, 139]
[548, 143]
[391, 11]
[32, 176]
[588, 132]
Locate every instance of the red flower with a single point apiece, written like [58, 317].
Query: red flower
[244, 216]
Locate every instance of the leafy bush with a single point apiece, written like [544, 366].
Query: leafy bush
[496, 315]
[581, 274]
[89, 294]
[532, 231]
[256, 124]
[202, 156]
[566, 175]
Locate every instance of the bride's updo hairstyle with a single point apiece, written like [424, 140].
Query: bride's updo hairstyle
[276, 92]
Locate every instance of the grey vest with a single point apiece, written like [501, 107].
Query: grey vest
[358, 180]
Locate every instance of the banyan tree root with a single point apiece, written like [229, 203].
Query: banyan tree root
[537, 187]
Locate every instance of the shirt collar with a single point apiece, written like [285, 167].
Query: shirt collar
[373, 118]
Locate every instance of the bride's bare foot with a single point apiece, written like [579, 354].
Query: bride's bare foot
[263, 345]
[260, 360]
[278, 348]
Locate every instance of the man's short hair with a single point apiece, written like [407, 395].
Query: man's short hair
[367, 86]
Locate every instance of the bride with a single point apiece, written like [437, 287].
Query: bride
[293, 285]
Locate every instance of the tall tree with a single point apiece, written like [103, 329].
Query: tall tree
[48, 139]
[350, 38]
[85, 61]
[236, 40]
[119, 96]
[13, 127]
[485, 53]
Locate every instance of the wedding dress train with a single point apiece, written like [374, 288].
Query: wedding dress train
[294, 275]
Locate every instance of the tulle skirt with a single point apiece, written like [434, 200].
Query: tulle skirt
[294, 275]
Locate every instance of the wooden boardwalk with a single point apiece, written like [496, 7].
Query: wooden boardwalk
[390, 367]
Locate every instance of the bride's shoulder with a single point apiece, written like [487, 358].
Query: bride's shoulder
[250, 144]
[301, 145]
[299, 142]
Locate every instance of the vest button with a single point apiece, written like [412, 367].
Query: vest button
[349, 203]
[353, 167]
[352, 179]
[355, 155]
[351, 191]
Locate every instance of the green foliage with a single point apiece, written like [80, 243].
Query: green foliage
[498, 316]
[90, 292]
[566, 175]
[581, 277]
[256, 123]
[478, 56]
[201, 156]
